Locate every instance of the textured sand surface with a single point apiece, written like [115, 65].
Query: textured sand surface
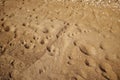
[59, 39]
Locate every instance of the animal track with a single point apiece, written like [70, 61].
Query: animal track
[107, 71]
[90, 62]
[52, 50]
[73, 78]
[2, 49]
[61, 32]
[88, 50]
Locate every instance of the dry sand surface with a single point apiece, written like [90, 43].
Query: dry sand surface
[59, 39]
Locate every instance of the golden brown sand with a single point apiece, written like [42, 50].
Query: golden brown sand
[59, 39]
